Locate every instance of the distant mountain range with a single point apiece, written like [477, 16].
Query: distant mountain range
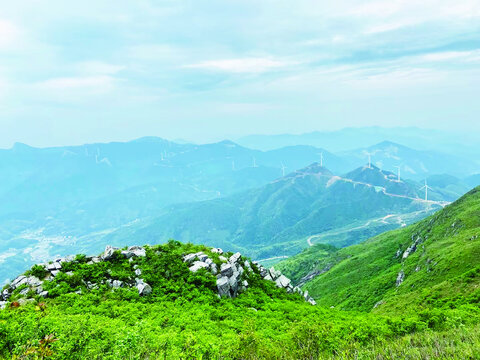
[72, 199]
[286, 215]
[460, 144]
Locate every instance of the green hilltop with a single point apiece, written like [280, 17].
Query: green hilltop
[100, 307]
[430, 264]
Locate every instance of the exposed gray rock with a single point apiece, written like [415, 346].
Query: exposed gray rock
[138, 272]
[3, 304]
[223, 286]
[34, 281]
[197, 265]
[247, 265]
[137, 251]
[235, 257]
[400, 278]
[213, 268]
[144, 289]
[189, 258]
[282, 281]
[226, 269]
[202, 257]
[222, 258]
[44, 294]
[117, 284]
[19, 281]
[55, 272]
[217, 251]
[108, 253]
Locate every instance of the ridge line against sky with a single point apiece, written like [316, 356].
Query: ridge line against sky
[208, 70]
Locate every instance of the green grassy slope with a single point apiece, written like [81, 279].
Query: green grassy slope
[443, 271]
[184, 319]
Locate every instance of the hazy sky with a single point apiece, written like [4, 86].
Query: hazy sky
[84, 71]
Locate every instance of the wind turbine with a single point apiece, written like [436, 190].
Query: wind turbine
[283, 169]
[426, 187]
[254, 163]
[398, 172]
[369, 160]
[321, 159]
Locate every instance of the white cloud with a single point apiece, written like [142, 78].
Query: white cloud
[94, 83]
[98, 68]
[243, 65]
[9, 34]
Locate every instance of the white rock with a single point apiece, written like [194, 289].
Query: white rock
[138, 272]
[223, 286]
[197, 265]
[222, 258]
[3, 304]
[117, 284]
[235, 257]
[282, 281]
[226, 269]
[217, 251]
[144, 289]
[108, 253]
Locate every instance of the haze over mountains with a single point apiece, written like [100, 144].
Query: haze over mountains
[74, 199]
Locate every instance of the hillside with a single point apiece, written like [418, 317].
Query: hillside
[60, 200]
[430, 264]
[162, 302]
[288, 214]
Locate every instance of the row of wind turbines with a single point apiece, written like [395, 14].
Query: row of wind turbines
[426, 187]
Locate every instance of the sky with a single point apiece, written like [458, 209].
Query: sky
[78, 72]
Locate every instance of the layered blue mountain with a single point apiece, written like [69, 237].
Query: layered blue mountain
[53, 199]
[306, 206]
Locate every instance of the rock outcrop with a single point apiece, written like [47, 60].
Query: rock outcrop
[234, 272]
[53, 268]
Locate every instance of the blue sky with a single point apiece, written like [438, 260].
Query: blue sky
[207, 70]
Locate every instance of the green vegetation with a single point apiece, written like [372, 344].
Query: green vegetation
[184, 318]
[433, 313]
[442, 272]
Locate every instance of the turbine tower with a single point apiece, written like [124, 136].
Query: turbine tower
[254, 163]
[426, 187]
[283, 169]
[321, 159]
[369, 159]
[398, 172]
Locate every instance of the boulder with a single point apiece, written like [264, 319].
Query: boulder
[109, 252]
[51, 267]
[226, 269]
[268, 277]
[34, 281]
[144, 289]
[55, 272]
[189, 258]
[282, 281]
[247, 265]
[3, 304]
[197, 265]
[19, 281]
[233, 281]
[138, 272]
[213, 268]
[223, 286]
[44, 294]
[5, 294]
[217, 251]
[57, 265]
[202, 257]
[117, 284]
[222, 258]
[137, 251]
[400, 278]
[235, 257]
